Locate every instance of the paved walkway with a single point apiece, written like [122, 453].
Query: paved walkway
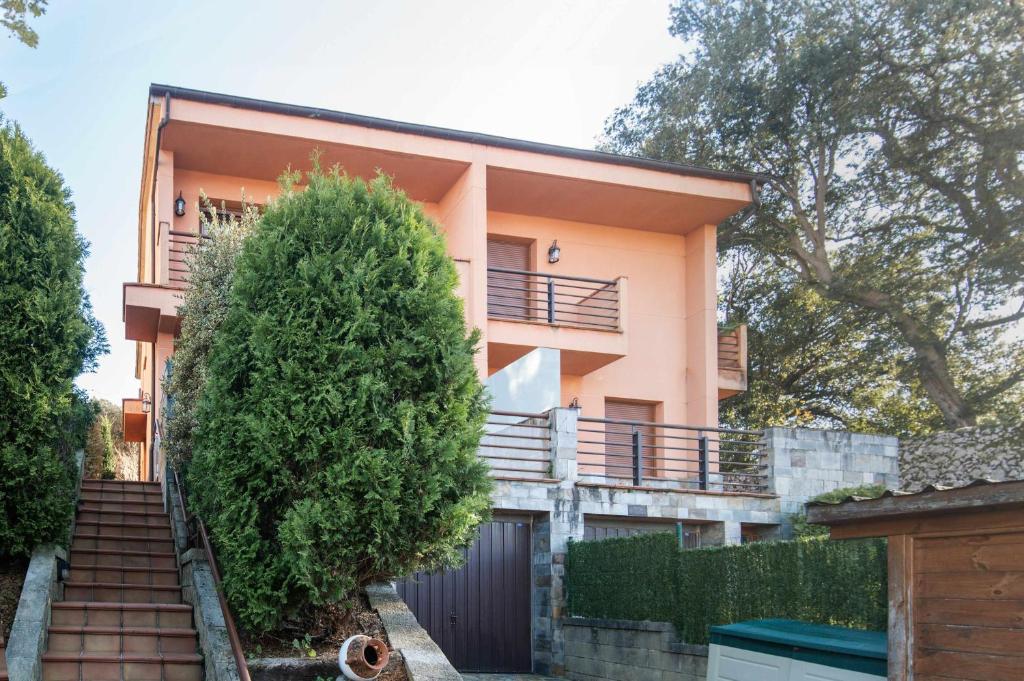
[508, 677]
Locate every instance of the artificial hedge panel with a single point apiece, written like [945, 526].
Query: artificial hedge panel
[630, 578]
[650, 578]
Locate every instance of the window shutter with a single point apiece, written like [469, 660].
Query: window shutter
[508, 294]
[619, 436]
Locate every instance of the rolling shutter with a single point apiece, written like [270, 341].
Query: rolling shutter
[507, 294]
[619, 436]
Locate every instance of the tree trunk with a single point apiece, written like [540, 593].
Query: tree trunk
[929, 353]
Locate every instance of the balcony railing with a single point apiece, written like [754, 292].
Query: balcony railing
[552, 299]
[517, 445]
[729, 350]
[658, 454]
[179, 246]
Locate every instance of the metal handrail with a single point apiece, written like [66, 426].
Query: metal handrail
[505, 270]
[514, 452]
[229, 621]
[553, 298]
[647, 450]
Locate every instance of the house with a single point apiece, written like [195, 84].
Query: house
[592, 278]
[956, 575]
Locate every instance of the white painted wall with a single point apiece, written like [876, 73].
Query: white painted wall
[531, 384]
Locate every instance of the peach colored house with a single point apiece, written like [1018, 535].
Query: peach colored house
[606, 264]
[638, 325]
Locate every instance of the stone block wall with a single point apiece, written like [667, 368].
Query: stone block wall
[623, 650]
[958, 457]
[804, 463]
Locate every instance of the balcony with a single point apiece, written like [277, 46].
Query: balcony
[662, 455]
[732, 361]
[151, 309]
[620, 453]
[134, 420]
[580, 316]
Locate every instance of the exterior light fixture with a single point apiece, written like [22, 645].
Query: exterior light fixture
[574, 403]
[147, 403]
[179, 205]
[554, 252]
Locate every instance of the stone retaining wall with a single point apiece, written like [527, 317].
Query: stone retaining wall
[625, 650]
[28, 638]
[958, 457]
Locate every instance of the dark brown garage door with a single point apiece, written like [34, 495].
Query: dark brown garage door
[480, 614]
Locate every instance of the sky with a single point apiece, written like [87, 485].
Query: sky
[548, 71]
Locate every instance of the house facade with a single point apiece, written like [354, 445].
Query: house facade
[592, 279]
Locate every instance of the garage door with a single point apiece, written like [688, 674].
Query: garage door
[480, 614]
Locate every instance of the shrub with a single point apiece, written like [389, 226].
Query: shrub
[211, 266]
[651, 578]
[339, 422]
[47, 337]
[125, 463]
[802, 528]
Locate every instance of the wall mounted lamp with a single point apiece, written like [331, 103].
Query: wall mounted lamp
[179, 205]
[147, 403]
[554, 252]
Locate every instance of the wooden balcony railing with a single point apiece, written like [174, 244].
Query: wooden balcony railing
[552, 299]
[641, 453]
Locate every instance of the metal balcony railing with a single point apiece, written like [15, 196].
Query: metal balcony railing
[552, 298]
[517, 445]
[642, 453]
[729, 350]
[179, 245]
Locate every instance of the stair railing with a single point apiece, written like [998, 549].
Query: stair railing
[229, 621]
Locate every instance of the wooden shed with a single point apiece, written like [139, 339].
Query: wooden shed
[956, 576]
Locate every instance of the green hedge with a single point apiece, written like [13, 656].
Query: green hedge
[651, 578]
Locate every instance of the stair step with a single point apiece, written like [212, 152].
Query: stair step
[122, 529]
[89, 613]
[102, 541]
[127, 666]
[121, 506]
[91, 515]
[116, 495]
[108, 639]
[99, 483]
[115, 592]
[118, 558]
[125, 575]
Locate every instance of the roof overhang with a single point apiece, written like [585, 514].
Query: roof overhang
[248, 138]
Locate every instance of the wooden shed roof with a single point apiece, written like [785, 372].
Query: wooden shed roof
[977, 495]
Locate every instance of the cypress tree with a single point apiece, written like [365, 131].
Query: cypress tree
[338, 426]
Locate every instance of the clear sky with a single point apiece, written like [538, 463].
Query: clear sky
[542, 70]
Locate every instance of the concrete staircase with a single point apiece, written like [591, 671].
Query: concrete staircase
[122, 617]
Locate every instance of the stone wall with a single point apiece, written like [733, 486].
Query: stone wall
[800, 464]
[804, 463]
[623, 650]
[958, 457]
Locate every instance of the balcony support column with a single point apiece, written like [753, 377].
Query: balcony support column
[701, 299]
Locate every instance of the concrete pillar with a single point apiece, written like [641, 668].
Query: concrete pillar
[551, 543]
[701, 296]
[721, 533]
[463, 217]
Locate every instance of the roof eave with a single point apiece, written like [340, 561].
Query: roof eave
[265, 106]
